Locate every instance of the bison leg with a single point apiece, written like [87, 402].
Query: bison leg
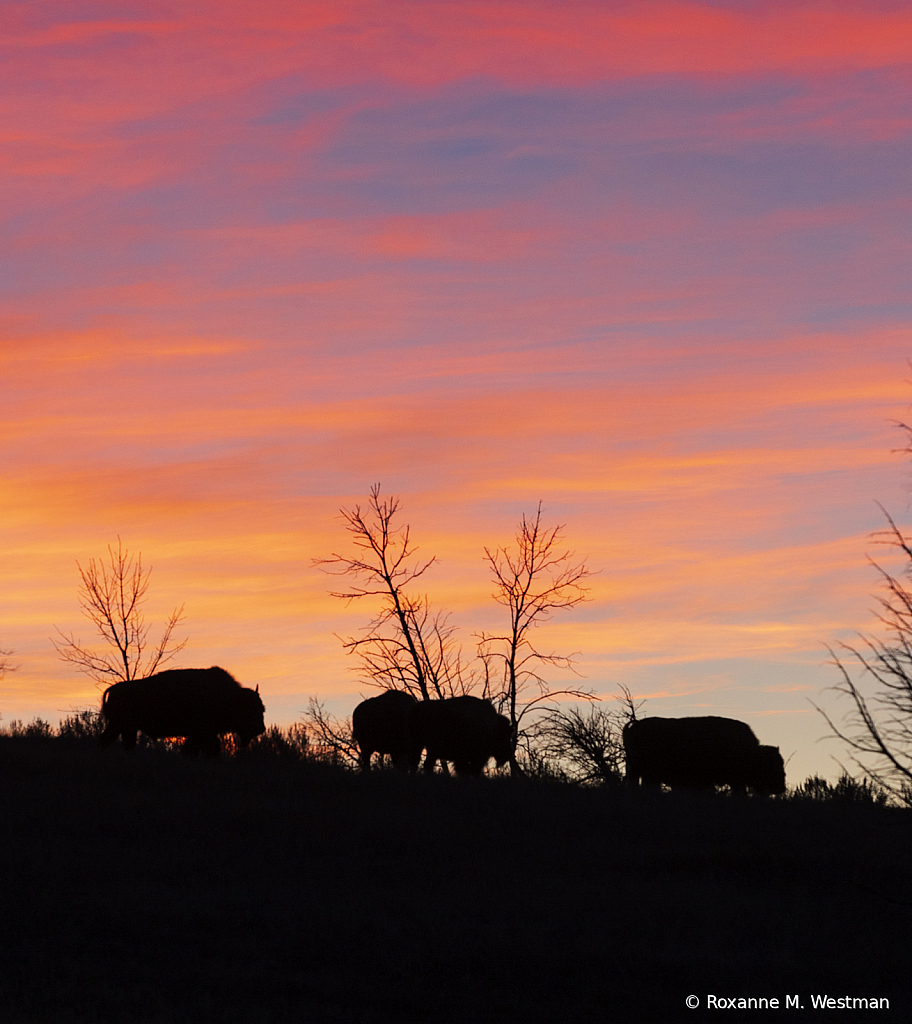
[207, 744]
[129, 739]
[648, 781]
[634, 772]
[111, 732]
[364, 759]
[401, 761]
[431, 760]
[414, 758]
[210, 746]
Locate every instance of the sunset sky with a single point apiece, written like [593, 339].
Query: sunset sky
[646, 262]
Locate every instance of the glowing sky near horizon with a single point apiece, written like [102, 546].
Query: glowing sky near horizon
[645, 262]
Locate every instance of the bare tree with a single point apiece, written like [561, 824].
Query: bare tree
[585, 747]
[111, 596]
[532, 583]
[406, 645]
[329, 740]
[409, 646]
[5, 665]
[878, 726]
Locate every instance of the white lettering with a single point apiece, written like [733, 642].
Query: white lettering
[791, 1002]
[843, 1003]
[743, 1003]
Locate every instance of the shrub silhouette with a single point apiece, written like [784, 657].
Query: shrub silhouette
[81, 726]
[37, 729]
[844, 790]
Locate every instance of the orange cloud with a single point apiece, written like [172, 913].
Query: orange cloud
[474, 235]
[233, 362]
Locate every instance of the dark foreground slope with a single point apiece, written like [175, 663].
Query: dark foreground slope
[150, 888]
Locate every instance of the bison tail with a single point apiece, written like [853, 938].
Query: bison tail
[104, 700]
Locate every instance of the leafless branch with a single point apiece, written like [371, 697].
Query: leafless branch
[532, 583]
[629, 706]
[409, 646]
[406, 645]
[586, 747]
[328, 739]
[111, 596]
[878, 725]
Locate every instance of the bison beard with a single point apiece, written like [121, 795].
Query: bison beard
[700, 753]
[199, 704]
[465, 730]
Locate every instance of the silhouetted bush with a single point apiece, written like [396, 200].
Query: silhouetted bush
[278, 744]
[37, 729]
[584, 747]
[844, 790]
[81, 726]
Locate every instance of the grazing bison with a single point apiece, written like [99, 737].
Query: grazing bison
[197, 703]
[701, 753]
[464, 730]
[380, 725]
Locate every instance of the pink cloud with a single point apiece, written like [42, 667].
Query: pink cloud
[228, 318]
[429, 44]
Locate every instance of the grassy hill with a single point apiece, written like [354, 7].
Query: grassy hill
[156, 888]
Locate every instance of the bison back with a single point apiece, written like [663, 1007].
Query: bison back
[380, 725]
[185, 702]
[695, 752]
[465, 730]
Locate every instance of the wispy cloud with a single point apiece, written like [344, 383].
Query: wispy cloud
[646, 262]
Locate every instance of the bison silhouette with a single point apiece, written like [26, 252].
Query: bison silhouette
[199, 704]
[465, 730]
[380, 725]
[701, 753]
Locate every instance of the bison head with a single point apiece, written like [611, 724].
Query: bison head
[250, 715]
[771, 770]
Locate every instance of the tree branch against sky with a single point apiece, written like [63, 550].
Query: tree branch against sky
[411, 647]
[406, 645]
[532, 582]
[878, 725]
[111, 596]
